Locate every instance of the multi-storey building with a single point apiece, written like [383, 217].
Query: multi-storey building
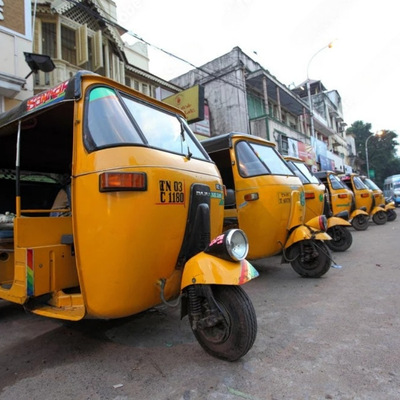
[243, 96]
[15, 39]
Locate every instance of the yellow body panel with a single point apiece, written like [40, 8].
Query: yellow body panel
[340, 199]
[130, 240]
[314, 200]
[267, 220]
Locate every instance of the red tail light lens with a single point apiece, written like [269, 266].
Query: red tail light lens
[123, 181]
[342, 196]
[310, 195]
[364, 194]
[251, 196]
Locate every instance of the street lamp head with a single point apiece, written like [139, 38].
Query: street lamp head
[380, 133]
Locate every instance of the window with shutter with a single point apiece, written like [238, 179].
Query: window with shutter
[82, 51]
[97, 51]
[49, 39]
[68, 44]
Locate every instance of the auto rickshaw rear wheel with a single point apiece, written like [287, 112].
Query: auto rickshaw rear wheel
[341, 238]
[391, 215]
[360, 222]
[230, 334]
[310, 258]
[380, 218]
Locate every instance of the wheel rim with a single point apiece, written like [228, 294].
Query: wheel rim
[220, 332]
[311, 260]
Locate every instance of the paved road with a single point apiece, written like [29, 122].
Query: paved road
[332, 338]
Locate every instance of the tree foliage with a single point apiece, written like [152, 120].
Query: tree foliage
[382, 157]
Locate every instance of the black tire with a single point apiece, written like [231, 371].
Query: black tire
[310, 258]
[391, 215]
[360, 222]
[341, 238]
[380, 218]
[233, 338]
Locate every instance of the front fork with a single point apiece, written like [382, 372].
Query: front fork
[307, 254]
[193, 302]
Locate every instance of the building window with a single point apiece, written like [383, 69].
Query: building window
[49, 39]
[68, 45]
[127, 81]
[136, 85]
[145, 89]
[284, 145]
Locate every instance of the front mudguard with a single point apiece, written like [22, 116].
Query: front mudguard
[304, 232]
[377, 209]
[206, 269]
[357, 212]
[390, 206]
[334, 221]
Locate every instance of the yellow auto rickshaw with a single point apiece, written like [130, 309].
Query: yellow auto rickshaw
[380, 201]
[341, 200]
[364, 198]
[142, 204]
[266, 199]
[317, 204]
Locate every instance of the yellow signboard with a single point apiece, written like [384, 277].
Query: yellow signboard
[190, 101]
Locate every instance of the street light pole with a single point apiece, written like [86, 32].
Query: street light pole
[379, 134]
[312, 133]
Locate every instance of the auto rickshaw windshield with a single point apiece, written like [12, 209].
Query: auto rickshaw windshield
[256, 159]
[358, 183]
[336, 183]
[115, 119]
[305, 171]
[371, 184]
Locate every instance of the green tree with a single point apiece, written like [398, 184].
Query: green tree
[382, 157]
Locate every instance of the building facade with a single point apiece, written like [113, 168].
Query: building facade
[84, 34]
[15, 39]
[243, 96]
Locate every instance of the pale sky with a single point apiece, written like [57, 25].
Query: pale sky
[362, 65]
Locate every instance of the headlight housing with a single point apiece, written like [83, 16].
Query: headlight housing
[232, 245]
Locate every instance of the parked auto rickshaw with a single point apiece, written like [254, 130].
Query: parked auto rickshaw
[364, 198]
[317, 204]
[341, 200]
[144, 200]
[266, 200]
[380, 200]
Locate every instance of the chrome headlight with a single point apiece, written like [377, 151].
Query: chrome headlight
[237, 244]
[232, 245]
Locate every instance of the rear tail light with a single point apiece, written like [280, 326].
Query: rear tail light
[364, 194]
[310, 195]
[342, 196]
[122, 181]
[251, 196]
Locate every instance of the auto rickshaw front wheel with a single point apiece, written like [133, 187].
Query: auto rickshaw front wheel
[360, 222]
[391, 215]
[380, 218]
[225, 325]
[310, 258]
[341, 238]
